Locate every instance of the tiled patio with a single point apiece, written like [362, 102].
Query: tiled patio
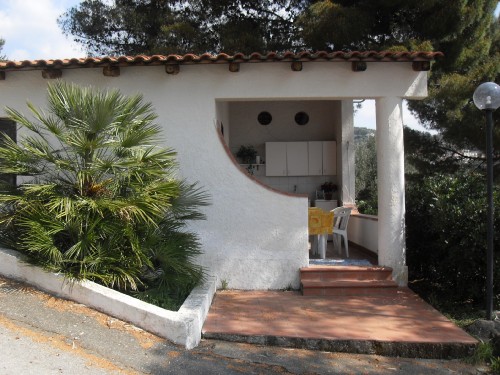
[393, 322]
[400, 324]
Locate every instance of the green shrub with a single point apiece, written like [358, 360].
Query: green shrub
[99, 199]
[446, 236]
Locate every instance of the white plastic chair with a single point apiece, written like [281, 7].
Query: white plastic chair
[340, 221]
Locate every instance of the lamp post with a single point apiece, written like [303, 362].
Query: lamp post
[487, 98]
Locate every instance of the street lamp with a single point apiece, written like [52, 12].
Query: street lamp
[487, 99]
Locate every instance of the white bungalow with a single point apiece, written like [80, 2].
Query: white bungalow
[300, 106]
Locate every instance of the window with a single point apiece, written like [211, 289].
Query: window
[8, 127]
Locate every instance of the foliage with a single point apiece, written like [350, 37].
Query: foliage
[328, 187]
[429, 154]
[246, 154]
[484, 354]
[366, 176]
[465, 31]
[361, 133]
[445, 236]
[247, 25]
[472, 57]
[99, 199]
[198, 26]
[2, 43]
[495, 365]
[393, 24]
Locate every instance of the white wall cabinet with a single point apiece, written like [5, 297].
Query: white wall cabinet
[276, 159]
[315, 158]
[296, 159]
[301, 158]
[286, 159]
[329, 158]
[322, 158]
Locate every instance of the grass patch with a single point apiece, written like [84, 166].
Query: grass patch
[168, 301]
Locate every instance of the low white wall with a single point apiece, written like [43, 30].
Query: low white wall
[182, 327]
[363, 231]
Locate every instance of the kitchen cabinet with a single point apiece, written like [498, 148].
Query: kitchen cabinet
[322, 159]
[276, 159]
[286, 159]
[329, 158]
[296, 158]
[301, 158]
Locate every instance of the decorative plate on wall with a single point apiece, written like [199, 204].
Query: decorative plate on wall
[264, 118]
[301, 118]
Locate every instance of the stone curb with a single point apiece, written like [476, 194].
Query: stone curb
[371, 347]
[181, 327]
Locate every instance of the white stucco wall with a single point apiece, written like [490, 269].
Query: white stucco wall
[363, 230]
[253, 238]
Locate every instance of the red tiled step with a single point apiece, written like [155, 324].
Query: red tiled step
[346, 281]
[320, 273]
[348, 287]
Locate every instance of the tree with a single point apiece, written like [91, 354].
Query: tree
[198, 26]
[366, 176]
[125, 27]
[99, 199]
[427, 154]
[384, 24]
[465, 30]
[449, 107]
[249, 26]
[2, 42]
[445, 237]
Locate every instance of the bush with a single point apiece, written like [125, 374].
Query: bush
[99, 198]
[446, 236]
[366, 177]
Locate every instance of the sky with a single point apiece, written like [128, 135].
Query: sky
[30, 30]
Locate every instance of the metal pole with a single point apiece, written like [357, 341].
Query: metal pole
[489, 254]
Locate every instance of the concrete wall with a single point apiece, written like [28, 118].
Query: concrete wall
[253, 238]
[363, 230]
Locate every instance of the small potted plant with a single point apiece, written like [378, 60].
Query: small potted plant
[329, 188]
[246, 154]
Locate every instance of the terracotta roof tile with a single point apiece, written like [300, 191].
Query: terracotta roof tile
[207, 58]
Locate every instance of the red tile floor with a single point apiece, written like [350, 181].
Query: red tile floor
[401, 318]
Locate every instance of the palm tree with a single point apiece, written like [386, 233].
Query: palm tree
[99, 199]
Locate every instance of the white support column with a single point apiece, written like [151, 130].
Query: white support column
[346, 154]
[391, 187]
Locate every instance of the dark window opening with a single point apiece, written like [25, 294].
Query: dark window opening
[9, 128]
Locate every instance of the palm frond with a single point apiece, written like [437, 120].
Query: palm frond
[103, 201]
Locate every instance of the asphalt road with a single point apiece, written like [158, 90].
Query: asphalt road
[40, 334]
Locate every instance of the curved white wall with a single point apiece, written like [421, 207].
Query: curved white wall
[253, 238]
